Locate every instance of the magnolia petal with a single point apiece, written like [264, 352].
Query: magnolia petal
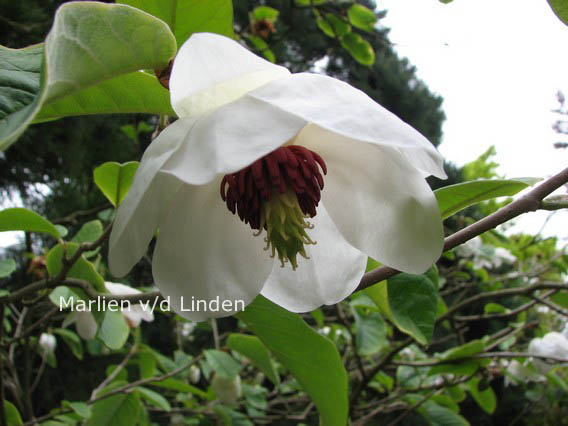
[204, 253]
[378, 202]
[231, 138]
[150, 194]
[211, 70]
[330, 275]
[120, 289]
[340, 108]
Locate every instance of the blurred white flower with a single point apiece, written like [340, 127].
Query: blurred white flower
[552, 344]
[485, 255]
[194, 374]
[227, 391]
[517, 372]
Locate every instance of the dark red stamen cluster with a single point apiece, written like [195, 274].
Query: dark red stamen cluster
[293, 168]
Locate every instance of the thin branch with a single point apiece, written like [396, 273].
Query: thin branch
[115, 372]
[431, 363]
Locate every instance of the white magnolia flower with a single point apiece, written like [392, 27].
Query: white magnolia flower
[259, 139]
[86, 325]
[551, 344]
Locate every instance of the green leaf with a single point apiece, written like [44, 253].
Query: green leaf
[20, 219]
[179, 386]
[359, 48]
[89, 43]
[262, 47]
[413, 302]
[89, 232]
[560, 298]
[7, 266]
[71, 340]
[309, 2]
[13, 417]
[80, 408]
[154, 398]
[469, 349]
[463, 368]
[117, 410]
[438, 415]
[186, 17]
[114, 179]
[265, 13]
[20, 93]
[82, 269]
[494, 308]
[333, 26]
[560, 8]
[310, 357]
[113, 330]
[453, 198]
[362, 17]
[485, 398]
[371, 334]
[224, 364]
[253, 348]
[135, 92]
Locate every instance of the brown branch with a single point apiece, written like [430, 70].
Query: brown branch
[432, 363]
[527, 203]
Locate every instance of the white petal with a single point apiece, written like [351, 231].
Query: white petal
[330, 275]
[151, 192]
[339, 107]
[231, 138]
[86, 325]
[205, 253]
[211, 70]
[120, 289]
[378, 202]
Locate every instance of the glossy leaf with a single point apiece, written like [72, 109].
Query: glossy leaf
[20, 219]
[7, 266]
[72, 340]
[224, 364]
[135, 92]
[310, 357]
[20, 94]
[13, 417]
[186, 17]
[485, 398]
[438, 415]
[262, 47]
[253, 348]
[179, 386]
[82, 269]
[89, 232]
[359, 48]
[560, 8]
[371, 334]
[332, 25]
[80, 408]
[453, 198]
[362, 17]
[122, 409]
[127, 40]
[114, 179]
[413, 302]
[154, 398]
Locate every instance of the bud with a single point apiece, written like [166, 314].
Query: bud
[194, 374]
[228, 391]
[47, 343]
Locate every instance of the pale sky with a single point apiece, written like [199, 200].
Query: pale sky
[498, 65]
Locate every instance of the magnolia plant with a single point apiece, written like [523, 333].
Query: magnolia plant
[363, 295]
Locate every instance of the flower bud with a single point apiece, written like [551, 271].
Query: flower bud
[227, 391]
[47, 343]
[194, 374]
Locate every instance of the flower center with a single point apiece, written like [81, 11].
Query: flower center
[277, 193]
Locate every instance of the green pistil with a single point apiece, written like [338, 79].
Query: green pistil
[285, 228]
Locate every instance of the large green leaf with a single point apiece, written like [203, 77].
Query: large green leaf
[114, 329]
[20, 219]
[453, 198]
[413, 302]
[224, 364]
[371, 334]
[485, 397]
[89, 43]
[13, 417]
[186, 17]
[309, 356]
[133, 92]
[362, 17]
[560, 8]
[359, 48]
[7, 266]
[254, 349]
[20, 94]
[114, 179]
[122, 409]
